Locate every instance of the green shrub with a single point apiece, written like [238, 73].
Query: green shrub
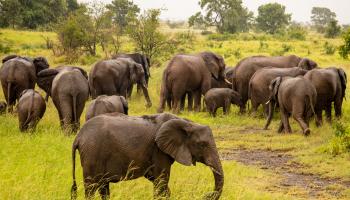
[329, 49]
[4, 48]
[344, 50]
[296, 32]
[221, 37]
[341, 142]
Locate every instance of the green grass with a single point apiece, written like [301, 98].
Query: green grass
[38, 166]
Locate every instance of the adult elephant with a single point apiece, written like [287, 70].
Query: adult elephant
[69, 92]
[248, 66]
[114, 77]
[140, 59]
[330, 84]
[18, 74]
[259, 92]
[190, 74]
[115, 147]
[46, 77]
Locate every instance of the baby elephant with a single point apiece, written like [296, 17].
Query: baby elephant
[31, 108]
[3, 107]
[296, 97]
[221, 97]
[107, 104]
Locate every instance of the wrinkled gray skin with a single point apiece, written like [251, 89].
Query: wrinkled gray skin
[140, 59]
[114, 77]
[30, 108]
[18, 74]
[221, 97]
[295, 96]
[3, 106]
[116, 147]
[259, 92]
[230, 73]
[190, 74]
[45, 78]
[70, 91]
[107, 104]
[330, 84]
[248, 66]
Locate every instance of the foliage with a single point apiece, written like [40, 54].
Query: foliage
[344, 50]
[284, 49]
[221, 37]
[320, 17]
[175, 24]
[272, 17]
[329, 49]
[122, 12]
[226, 15]
[333, 29]
[296, 31]
[341, 141]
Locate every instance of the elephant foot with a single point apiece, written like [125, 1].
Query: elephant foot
[307, 132]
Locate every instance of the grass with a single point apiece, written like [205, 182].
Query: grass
[38, 166]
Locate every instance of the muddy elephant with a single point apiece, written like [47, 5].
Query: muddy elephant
[296, 96]
[140, 59]
[114, 77]
[69, 92]
[190, 74]
[259, 92]
[330, 84]
[3, 106]
[45, 78]
[18, 74]
[30, 108]
[221, 97]
[106, 104]
[108, 155]
[247, 67]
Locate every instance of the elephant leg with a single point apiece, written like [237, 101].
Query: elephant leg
[255, 106]
[338, 106]
[189, 101]
[90, 189]
[241, 91]
[67, 113]
[182, 103]
[176, 101]
[285, 121]
[131, 87]
[328, 109]
[104, 191]
[281, 127]
[266, 110]
[227, 107]
[318, 113]
[197, 101]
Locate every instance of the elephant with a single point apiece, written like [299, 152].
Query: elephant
[107, 104]
[30, 108]
[115, 147]
[190, 74]
[258, 91]
[69, 92]
[296, 96]
[221, 97]
[140, 59]
[3, 107]
[245, 69]
[114, 77]
[18, 74]
[330, 84]
[45, 78]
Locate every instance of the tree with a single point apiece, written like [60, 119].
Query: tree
[344, 50]
[226, 15]
[72, 5]
[272, 17]
[332, 29]
[320, 17]
[122, 12]
[10, 13]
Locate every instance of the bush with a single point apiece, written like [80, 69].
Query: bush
[221, 37]
[285, 48]
[344, 49]
[4, 48]
[341, 142]
[296, 32]
[328, 48]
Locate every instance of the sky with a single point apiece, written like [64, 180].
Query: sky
[300, 9]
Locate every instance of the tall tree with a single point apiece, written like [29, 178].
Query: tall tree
[226, 15]
[320, 17]
[122, 11]
[333, 29]
[272, 17]
[72, 5]
[10, 13]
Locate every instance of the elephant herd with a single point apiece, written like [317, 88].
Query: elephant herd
[114, 146]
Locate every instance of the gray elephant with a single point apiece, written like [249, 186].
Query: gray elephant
[140, 59]
[221, 97]
[3, 106]
[69, 92]
[18, 74]
[259, 92]
[296, 96]
[114, 77]
[190, 74]
[248, 66]
[126, 148]
[330, 84]
[30, 108]
[106, 104]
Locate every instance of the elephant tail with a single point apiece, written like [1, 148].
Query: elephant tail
[9, 84]
[74, 185]
[30, 110]
[309, 102]
[74, 97]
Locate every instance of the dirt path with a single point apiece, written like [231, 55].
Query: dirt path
[282, 163]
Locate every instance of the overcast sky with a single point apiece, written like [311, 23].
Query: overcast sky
[300, 9]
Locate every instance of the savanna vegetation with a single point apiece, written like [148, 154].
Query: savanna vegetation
[258, 164]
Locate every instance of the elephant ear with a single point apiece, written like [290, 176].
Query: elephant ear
[274, 86]
[172, 138]
[82, 71]
[343, 79]
[212, 61]
[307, 64]
[45, 79]
[40, 64]
[9, 58]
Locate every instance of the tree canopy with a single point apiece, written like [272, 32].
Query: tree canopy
[321, 17]
[122, 12]
[272, 17]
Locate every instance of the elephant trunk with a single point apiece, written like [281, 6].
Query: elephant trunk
[271, 110]
[145, 93]
[218, 173]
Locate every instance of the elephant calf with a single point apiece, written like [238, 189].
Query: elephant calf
[296, 97]
[3, 107]
[107, 104]
[221, 97]
[31, 108]
[115, 147]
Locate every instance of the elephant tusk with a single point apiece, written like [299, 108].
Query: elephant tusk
[268, 102]
[227, 81]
